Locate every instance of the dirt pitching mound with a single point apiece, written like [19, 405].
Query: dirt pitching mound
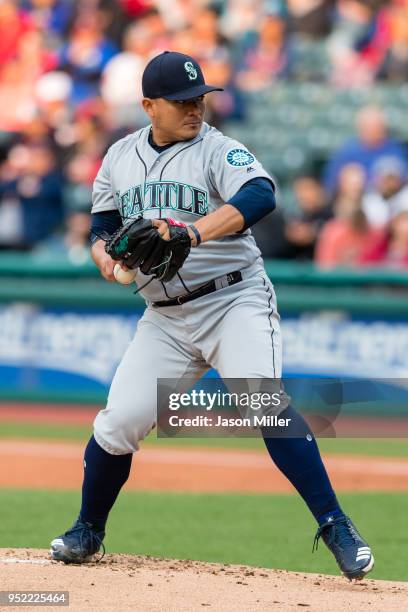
[125, 582]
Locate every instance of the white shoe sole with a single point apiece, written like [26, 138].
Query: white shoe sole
[59, 552]
[370, 566]
[365, 570]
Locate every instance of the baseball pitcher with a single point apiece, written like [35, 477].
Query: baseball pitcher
[174, 202]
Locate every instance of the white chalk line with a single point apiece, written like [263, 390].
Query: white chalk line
[30, 561]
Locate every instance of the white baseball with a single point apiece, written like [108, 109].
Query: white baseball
[124, 277]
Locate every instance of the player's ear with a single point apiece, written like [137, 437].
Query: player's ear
[148, 106]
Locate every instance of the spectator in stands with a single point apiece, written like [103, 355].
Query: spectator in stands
[88, 132]
[176, 14]
[52, 17]
[389, 195]
[311, 19]
[268, 59]
[228, 104]
[11, 221]
[358, 42]
[372, 143]
[295, 238]
[114, 18]
[33, 181]
[208, 42]
[240, 19]
[391, 248]
[80, 173]
[73, 243]
[18, 78]
[52, 93]
[350, 185]
[269, 236]
[121, 78]
[14, 23]
[183, 41]
[76, 237]
[204, 40]
[36, 131]
[135, 8]
[303, 228]
[345, 238]
[16, 97]
[85, 55]
[395, 63]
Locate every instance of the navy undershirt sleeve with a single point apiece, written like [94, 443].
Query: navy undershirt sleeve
[254, 200]
[104, 224]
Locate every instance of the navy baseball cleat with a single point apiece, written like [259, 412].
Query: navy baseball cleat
[78, 544]
[352, 553]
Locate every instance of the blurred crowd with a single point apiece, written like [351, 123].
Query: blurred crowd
[70, 85]
[355, 213]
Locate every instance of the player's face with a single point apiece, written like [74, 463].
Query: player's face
[175, 120]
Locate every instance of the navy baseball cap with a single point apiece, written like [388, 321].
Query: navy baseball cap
[174, 76]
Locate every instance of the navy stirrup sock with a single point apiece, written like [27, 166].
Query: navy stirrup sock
[298, 458]
[104, 476]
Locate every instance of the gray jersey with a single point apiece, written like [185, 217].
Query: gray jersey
[186, 182]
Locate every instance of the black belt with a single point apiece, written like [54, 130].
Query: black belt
[219, 283]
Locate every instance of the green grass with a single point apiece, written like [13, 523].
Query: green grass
[44, 431]
[262, 530]
[397, 447]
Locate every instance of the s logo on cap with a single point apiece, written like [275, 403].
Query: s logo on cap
[191, 71]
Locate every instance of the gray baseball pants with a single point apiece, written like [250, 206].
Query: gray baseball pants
[234, 330]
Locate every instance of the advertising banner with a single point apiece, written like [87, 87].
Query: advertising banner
[73, 354]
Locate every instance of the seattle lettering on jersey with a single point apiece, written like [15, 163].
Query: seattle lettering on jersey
[161, 195]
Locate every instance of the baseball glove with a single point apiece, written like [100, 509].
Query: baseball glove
[138, 244]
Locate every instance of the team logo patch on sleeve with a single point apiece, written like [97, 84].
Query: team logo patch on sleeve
[239, 158]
